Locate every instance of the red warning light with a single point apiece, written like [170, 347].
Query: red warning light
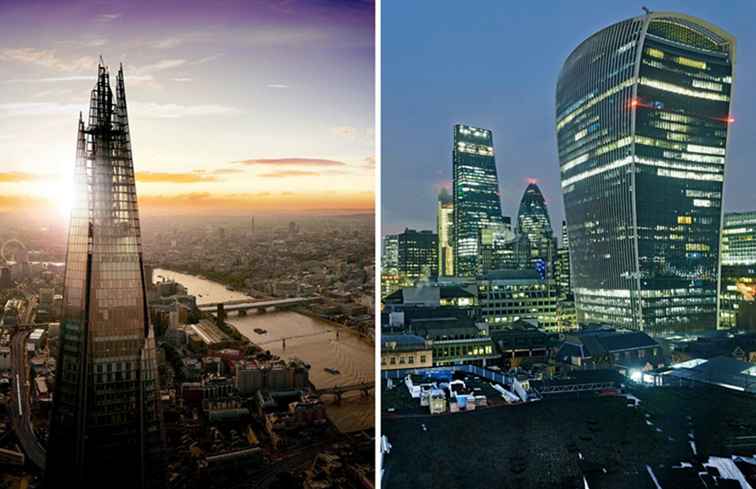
[532, 181]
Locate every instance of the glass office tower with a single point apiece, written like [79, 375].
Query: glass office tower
[737, 306]
[642, 115]
[445, 231]
[106, 421]
[476, 197]
[417, 256]
[533, 221]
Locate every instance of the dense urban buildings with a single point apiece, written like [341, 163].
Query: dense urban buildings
[476, 198]
[533, 221]
[106, 420]
[737, 304]
[642, 115]
[445, 233]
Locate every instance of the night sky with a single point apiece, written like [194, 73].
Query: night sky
[496, 66]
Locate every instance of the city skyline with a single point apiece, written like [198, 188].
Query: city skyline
[253, 107]
[522, 120]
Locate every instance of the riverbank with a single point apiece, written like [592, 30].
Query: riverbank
[342, 328]
[310, 338]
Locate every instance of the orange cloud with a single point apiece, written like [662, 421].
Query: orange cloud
[13, 177]
[161, 177]
[207, 204]
[291, 162]
[289, 173]
[263, 202]
[227, 171]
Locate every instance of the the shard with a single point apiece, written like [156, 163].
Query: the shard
[106, 428]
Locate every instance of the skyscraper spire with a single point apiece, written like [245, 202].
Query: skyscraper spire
[106, 423]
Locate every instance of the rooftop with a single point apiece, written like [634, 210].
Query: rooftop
[555, 443]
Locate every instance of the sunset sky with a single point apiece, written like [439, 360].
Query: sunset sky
[235, 106]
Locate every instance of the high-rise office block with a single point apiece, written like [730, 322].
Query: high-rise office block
[477, 204]
[642, 116]
[738, 275]
[533, 221]
[563, 275]
[417, 255]
[106, 422]
[445, 233]
[500, 248]
[390, 280]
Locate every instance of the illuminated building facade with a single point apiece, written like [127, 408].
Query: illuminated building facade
[390, 280]
[106, 422]
[417, 256]
[563, 275]
[533, 221]
[737, 307]
[506, 296]
[475, 194]
[642, 115]
[445, 233]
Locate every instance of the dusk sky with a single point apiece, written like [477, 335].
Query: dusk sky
[495, 65]
[235, 106]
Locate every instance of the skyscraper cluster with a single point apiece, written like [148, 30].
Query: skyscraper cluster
[642, 123]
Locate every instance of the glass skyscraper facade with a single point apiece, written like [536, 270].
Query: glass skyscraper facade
[445, 232]
[738, 275]
[477, 203]
[106, 423]
[563, 275]
[417, 256]
[642, 115]
[533, 221]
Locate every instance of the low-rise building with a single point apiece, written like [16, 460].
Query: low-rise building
[522, 342]
[603, 348]
[405, 351]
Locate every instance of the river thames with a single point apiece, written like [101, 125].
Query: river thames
[313, 340]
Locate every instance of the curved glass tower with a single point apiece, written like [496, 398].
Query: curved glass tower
[642, 115]
[105, 428]
[533, 221]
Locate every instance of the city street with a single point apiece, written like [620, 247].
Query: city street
[21, 403]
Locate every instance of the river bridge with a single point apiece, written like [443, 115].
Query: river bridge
[221, 309]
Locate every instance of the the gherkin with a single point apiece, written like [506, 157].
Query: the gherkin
[106, 428]
[533, 221]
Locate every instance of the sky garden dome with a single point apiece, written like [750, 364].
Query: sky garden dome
[642, 116]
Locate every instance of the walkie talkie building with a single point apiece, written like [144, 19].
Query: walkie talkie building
[106, 422]
[642, 115]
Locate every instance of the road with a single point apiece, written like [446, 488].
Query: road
[21, 402]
